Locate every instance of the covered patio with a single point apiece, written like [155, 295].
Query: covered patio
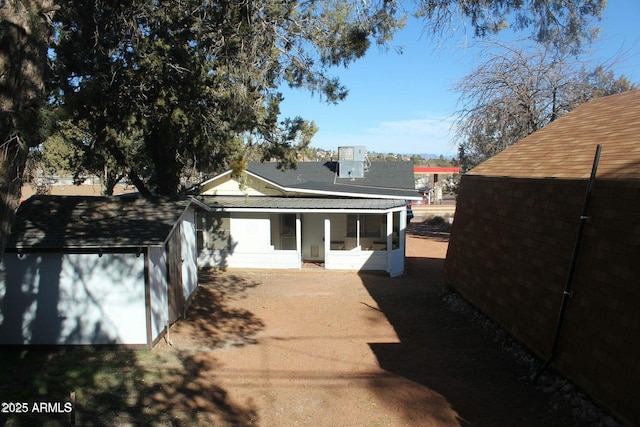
[285, 232]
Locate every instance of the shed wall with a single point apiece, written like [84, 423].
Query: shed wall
[510, 253]
[158, 286]
[55, 298]
[189, 253]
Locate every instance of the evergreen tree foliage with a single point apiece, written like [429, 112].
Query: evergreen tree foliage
[167, 86]
[189, 77]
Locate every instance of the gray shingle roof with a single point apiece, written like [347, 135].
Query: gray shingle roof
[382, 179]
[298, 203]
[85, 222]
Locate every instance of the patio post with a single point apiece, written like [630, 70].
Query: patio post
[389, 242]
[327, 241]
[299, 239]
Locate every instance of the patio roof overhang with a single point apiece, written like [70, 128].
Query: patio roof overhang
[301, 204]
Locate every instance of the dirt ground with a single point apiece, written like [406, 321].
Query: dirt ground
[325, 348]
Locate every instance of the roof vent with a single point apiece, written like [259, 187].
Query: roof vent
[351, 162]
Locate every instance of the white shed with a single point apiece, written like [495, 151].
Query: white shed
[97, 270]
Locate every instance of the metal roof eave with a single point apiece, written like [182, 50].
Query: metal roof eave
[308, 210]
[296, 204]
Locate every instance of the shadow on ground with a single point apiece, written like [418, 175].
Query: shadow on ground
[211, 322]
[444, 351]
[119, 386]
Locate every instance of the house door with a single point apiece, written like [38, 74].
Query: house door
[174, 271]
[313, 237]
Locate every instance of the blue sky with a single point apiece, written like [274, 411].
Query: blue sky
[403, 103]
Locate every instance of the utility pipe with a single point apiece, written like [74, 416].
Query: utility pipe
[566, 294]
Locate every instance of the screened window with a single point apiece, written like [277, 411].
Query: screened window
[370, 225]
[287, 232]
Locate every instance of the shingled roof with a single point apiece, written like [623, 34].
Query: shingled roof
[394, 179]
[86, 222]
[565, 149]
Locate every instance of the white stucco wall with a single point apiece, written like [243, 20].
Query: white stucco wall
[356, 260]
[72, 299]
[250, 246]
[251, 233]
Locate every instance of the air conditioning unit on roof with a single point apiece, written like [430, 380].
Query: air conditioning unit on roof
[355, 154]
[351, 162]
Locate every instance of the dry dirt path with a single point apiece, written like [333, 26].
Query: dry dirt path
[323, 348]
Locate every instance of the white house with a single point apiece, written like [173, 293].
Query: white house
[348, 215]
[97, 270]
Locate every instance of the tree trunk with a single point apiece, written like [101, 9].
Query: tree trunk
[25, 33]
[13, 158]
[119, 156]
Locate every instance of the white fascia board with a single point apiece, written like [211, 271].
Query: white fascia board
[202, 184]
[198, 203]
[354, 195]
[315, 210]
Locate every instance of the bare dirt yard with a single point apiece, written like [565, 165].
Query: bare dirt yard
[306, 348]
[326, 348]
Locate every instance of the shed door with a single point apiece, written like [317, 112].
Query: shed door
[174, 271]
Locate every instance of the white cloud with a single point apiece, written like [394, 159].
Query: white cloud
[433, 127]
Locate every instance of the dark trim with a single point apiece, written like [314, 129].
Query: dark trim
[188, 301]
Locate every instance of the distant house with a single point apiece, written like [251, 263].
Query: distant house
[515, 229]
[97, 270]
[349, 214]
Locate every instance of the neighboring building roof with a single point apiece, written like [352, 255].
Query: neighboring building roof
[396, 175]
[435, 169]
[297, 203]
[566, 147]
[89, 222]
[393, 180]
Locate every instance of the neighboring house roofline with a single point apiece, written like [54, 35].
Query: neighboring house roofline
[195, 188]
[337, 189]
[436, 169]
